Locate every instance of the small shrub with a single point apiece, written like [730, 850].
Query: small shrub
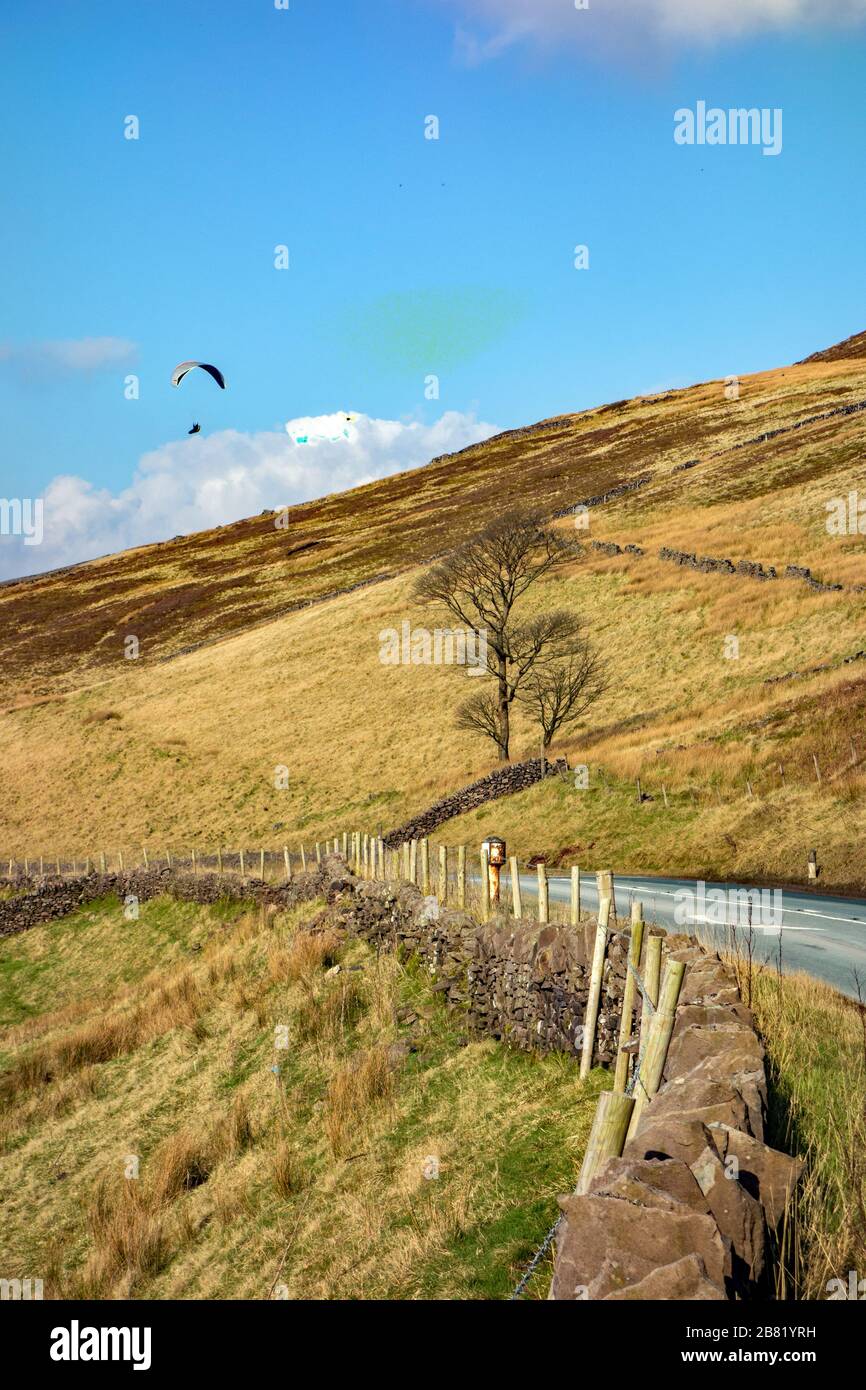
[129, 1241]
[182, 1162]
[328, 1015]
[290, 1176]
[101, 716]
[235, 1132]
[309, 953]
[354, 1089]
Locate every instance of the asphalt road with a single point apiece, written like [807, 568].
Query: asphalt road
[820, 934]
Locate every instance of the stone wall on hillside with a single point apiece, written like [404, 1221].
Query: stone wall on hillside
[505, 781]
[50, 898]
[689, 1210]
[525, 984]
[718, 564]
[522, 983]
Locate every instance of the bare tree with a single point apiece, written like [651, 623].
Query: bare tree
[480, 715]
[479, 584]
[558, 692]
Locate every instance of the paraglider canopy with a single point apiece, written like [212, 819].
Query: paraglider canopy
[180, 372]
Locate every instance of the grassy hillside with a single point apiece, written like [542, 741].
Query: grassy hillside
[155, 1040]
[67, 628]
[100, 752]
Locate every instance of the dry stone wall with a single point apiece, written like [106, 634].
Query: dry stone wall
[689, 1210]
[718, 564]
[505, 781]
[525, 984]
[48, 899]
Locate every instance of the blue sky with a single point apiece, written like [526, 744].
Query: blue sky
[408, 257]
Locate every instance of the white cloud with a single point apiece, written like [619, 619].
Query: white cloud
[610, 25]
[206, 481]
[68, 355]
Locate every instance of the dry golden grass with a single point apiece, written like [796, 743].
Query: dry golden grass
[816, 1048]
[311, 1175]
[170, 1006]
[182, 1162]
[129, 1243]
[308, 953]
[289, 1174]
[363, 1082]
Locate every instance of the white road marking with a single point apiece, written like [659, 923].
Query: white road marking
[801, 911]
[647, 891]
[744, 926]
[813, 912]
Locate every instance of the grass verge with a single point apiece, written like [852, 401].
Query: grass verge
[202, 1105]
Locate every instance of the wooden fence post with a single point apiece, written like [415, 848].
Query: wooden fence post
[443, 874]
[262, 866]
[664, 793]
[242, 864]
[652, 969]
[287, 860]
[485, 886]
[194, 862]
[515, 887]
[461, 876]
[543, 904]
[575, 895]
[653, 1063]
[318, 852]
[144, 850]
[591, 1016]
[628, 996]
[219, 861]
[604, 883]
[607, 1136]
[425, 865]
[413, 860]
